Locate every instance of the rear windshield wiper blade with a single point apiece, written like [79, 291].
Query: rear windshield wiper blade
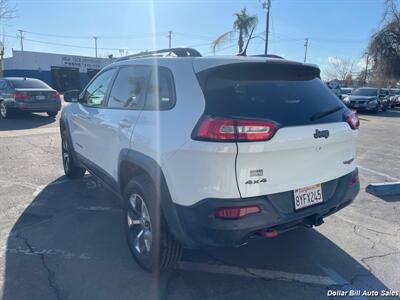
[324, 113]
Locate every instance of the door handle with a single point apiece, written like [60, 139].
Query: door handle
[125, 123]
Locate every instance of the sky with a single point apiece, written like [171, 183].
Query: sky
[337, 29]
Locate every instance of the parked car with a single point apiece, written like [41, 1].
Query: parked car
[367, 99]
[207, 151]
[389, 97]
[345, 92]
[27, 94]
[395, 99]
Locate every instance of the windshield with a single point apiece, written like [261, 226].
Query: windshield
[345, 91]
[28, 84]
[396, 92]
[365, 92]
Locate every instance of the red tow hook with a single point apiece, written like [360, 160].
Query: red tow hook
[269, 233]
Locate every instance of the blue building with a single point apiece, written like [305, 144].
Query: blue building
[62, 72]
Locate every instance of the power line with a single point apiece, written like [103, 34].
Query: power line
[74, 46]
[99, 36]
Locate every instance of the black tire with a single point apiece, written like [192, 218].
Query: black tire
[52, 114]
[71, 169]
[164, 252]
[5, 113]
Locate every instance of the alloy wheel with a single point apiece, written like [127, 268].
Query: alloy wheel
[3, 110]
[139, 224]
[65, 154]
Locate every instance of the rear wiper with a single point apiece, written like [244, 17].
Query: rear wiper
[324, 113]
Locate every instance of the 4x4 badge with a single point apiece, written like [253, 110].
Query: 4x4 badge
[321, 134]
[263, 180]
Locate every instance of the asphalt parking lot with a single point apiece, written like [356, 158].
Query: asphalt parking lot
[63, 239]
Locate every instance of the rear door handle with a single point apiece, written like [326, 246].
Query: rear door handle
[125, 123]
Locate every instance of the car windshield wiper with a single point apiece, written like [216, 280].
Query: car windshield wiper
[324, 113]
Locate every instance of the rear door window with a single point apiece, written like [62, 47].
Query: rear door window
[161, 90]
[129, 88]
[287, 94]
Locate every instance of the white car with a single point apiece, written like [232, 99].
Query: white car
[207, 151]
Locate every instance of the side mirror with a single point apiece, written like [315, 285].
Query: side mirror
[71, 96]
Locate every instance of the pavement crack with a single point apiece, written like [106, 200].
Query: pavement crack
[50, 273]
[357, 232]
[364, 259]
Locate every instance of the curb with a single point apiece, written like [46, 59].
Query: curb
[384, 189]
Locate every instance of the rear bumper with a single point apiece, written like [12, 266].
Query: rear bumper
[34, 106]
[202, 228]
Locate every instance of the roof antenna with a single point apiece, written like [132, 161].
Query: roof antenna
[243, 53]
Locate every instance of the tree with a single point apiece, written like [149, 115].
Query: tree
[340, 69]
[243, 25]
[384, 47]
[6, 12]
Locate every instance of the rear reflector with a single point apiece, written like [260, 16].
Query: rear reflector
[352, 119]
[269, 233]
[229, 129]
[55, 95]
[354, 180]
[236, 212]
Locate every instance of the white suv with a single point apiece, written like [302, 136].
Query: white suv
[211, 150]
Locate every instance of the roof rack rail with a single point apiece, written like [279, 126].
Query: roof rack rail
[268, 56]
[179, 52]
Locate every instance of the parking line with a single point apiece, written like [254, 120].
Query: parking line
[378, 173]
[255, 273]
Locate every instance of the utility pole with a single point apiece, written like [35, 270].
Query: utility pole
[21, 38]
[366, 68]
[306, 49]
[95, 44]
[169, 39]
[267, 6]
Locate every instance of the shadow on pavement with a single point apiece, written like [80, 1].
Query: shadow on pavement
[24, 120]
[69, 244]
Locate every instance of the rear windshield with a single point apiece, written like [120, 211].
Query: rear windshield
[290, 95]
[28, 84]
[365, 92]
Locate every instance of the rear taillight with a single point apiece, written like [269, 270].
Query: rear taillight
[20, 96]
[352, 119]
[236, 212]
[229, 129]
[55, 96]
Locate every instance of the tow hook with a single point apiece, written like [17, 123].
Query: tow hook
[269, 233]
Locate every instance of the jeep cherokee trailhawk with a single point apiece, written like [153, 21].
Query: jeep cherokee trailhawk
[211, 151]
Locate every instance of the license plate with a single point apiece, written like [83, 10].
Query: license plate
[41, 97]
[307, 196]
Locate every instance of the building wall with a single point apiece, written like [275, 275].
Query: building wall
[38, 65]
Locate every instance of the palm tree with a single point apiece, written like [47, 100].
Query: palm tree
[243, 24]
